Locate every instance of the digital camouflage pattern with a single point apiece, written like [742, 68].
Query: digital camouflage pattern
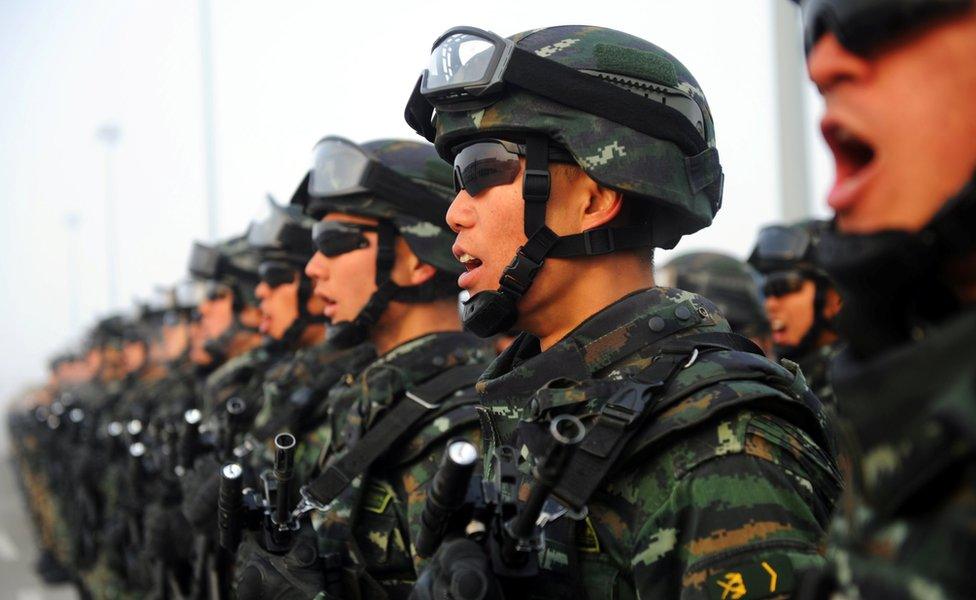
[373, 522]
[816, 368]
[728, 282]
[903, 528]
[725, 493]
[685, 190]
[296, 391]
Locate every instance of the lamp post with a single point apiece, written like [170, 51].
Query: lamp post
[108, 135]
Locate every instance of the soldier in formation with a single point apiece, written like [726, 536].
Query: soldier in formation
[313, 415]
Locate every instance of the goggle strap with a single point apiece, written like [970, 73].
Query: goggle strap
[551, 79]
[385, 254]
[397, 189]
[536, 183]
[602, 241]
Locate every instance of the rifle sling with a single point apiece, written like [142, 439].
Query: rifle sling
[398, 421]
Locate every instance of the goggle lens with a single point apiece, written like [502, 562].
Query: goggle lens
[275, 274]
[338, 168]
[484, 165]
[333, 238]
[782, 284]
[459, 59]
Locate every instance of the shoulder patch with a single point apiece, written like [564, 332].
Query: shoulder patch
[763, 578]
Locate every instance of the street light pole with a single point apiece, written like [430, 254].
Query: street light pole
[792, 148]
[72, 226]
[109, 135]
[209, 141]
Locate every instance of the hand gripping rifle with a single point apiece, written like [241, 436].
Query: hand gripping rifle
[508, 531]
[270, 512]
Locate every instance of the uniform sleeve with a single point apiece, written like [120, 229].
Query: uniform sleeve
[745, 516]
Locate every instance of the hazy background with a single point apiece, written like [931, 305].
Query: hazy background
[285, 74]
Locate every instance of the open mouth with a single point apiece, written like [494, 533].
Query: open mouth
[854, 159]
[471, 265]
[470, 262]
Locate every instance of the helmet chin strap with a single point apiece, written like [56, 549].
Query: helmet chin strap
[490, 312]
[218, 347]
[350, 333]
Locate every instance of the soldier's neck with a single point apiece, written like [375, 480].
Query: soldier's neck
[403, 322]
[592, 285]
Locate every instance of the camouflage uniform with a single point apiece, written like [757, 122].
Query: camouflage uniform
[667, 524]
[730, 283]
[816, 367]
[372, 522]
[725, 479]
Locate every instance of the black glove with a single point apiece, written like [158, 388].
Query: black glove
[169, 537]
[201, 488]
[296, 575]
[459, 570]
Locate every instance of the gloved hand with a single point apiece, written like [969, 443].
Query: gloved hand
[459, 570]
[201, 488]
[169, 537]
[296, 575]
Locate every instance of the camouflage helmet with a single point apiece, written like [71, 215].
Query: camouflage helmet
[680, 181]
[728, 282]
[789, 247]
[232, 262]
[419, 220]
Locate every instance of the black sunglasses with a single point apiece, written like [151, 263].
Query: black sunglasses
[484, 164]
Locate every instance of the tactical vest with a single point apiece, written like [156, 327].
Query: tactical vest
[692, 380]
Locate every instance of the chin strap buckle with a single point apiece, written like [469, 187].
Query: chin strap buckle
[519, 273]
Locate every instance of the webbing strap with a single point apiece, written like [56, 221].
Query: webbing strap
[623, 413]
[389, 430]
[617, 423]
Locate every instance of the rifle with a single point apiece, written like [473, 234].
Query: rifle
[488, 511]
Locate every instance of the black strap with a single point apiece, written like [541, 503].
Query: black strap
[621, 416]
[400, 419]
[536, 183]
[617, 423]
[602, 241]
[590, 94]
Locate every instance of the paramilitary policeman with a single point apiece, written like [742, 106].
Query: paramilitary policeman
[386, 274]
[898, 79]
[705, 470]
[728, 282]
[800, 300]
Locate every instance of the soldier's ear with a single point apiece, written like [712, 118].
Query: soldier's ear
[409, 269]
[832, 303]
[604, 205]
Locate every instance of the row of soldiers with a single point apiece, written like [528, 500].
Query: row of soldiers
[627, 443]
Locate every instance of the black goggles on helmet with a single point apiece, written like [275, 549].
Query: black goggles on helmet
[333, 238]
[217, 291]
[486, 163]
[209, 263]
[862, 26]
[782, 283]
[470, 67]
[782, 244]
[283, 231]
[342, 168]
[275, 273]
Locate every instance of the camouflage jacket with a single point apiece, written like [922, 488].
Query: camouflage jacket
[815, 365]
[723, 492]
[372, 523]
[294, 388]
[904, 527]
[243, 377]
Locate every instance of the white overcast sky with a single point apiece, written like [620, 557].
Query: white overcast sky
[286, 74]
